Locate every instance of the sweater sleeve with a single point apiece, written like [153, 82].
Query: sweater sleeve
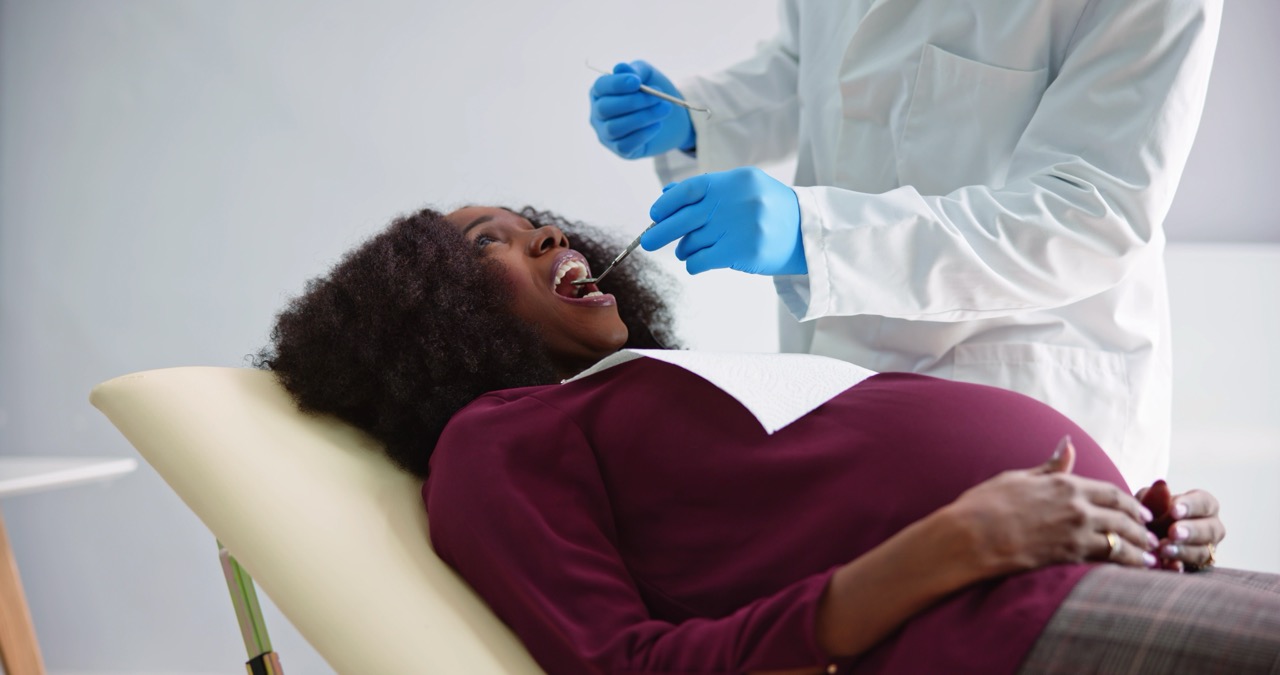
[518, 507]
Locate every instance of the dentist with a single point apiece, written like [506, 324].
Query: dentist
[979, 193]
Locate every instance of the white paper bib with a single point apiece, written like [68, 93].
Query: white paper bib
[777, 389]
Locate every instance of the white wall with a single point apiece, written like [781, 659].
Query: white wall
[1231, 173]
[172, 170]
[1226, 394]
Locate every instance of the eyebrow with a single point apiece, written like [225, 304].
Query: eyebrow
[478, 221]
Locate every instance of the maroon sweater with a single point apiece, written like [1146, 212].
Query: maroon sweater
[641, 521]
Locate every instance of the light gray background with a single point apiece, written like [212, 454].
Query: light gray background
[171, 171]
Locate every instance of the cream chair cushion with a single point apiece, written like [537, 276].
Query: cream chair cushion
[330, 529]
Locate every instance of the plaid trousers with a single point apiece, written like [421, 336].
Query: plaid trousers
[1125, 620]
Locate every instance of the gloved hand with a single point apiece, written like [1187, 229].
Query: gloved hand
[634, 124]
[742, 219]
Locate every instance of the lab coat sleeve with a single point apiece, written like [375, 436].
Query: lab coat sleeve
[517, 506]
[1088, 187]
[755, 109]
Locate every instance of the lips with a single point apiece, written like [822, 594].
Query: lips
[565, 268]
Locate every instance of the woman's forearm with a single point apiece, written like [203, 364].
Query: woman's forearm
[871, 596]
[1014, 521]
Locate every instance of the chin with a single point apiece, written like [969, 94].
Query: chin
[620, 337]
[609, 343]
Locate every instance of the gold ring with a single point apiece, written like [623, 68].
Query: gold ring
[1113, 545]
[1209, 562]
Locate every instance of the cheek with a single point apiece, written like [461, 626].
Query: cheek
[518, 278]
[528, 301]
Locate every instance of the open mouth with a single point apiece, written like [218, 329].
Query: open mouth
[569, 270]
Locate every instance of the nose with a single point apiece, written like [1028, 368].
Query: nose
[546, 239]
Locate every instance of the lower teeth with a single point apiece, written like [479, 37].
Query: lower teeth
[592, 294]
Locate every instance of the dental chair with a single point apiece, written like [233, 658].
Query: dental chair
[311, 509]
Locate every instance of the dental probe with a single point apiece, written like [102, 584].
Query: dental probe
[626, 252]
[666, 97]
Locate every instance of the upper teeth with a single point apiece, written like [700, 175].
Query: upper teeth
[570, 265]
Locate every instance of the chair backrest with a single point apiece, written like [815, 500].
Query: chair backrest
[330, 529]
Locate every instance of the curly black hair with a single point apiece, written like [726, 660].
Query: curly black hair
[413, 324]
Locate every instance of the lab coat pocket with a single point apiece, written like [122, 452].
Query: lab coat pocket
[963, 122]
[1089, 386]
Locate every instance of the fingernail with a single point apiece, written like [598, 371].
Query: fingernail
[1155, 541]
[1146, 514]
[1170, 551]
[1148, 560]
[1062, 445]
[1180, 511]
[1180, 533]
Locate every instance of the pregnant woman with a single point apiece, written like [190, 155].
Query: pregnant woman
[637, 518]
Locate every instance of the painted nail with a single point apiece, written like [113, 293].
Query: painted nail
[1146, 514]
[1062, 445]
[1148, 560]
[1180, 533]
[1170, 551]
[1180, 511]
[1155, 541]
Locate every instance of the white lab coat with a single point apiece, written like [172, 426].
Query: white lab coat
[982, 187]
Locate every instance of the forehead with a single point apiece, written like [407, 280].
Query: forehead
[469, 214]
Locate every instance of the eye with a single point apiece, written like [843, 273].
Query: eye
[483, 240]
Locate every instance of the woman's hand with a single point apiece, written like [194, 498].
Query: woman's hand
[1025, 519]
[1189, 528]
[1015, 521]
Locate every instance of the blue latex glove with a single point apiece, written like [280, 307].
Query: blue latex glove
[742, 219]
[634, 124]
